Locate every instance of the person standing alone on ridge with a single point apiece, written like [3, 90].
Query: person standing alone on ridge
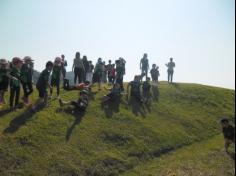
[170, 70]
[144, 65]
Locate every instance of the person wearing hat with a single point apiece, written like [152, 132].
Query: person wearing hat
[4, 79]
[56, 75]
[15, 79]
[170, 70]
[80, 104]
[26, 78]
[155, 73]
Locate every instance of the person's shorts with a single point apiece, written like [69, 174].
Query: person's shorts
[55, 82]
[42, 92]
[4, 84]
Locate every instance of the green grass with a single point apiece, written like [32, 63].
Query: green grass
[123, 138]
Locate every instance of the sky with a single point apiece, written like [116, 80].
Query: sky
[198, 34]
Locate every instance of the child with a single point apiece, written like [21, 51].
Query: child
[81, 104]
[56, 75]
[89, 74]
[15, 82]
[4, 79]
[98, 73]
[26, 78]
[228, 132]
[135, 89]
[120, 71]
[155, 73]
[42, 84]
[113, 73]
[113, 95]
[146, 90]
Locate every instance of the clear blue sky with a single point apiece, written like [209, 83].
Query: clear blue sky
[198, 34]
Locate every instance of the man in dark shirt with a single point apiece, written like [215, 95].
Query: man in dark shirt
[42, 85]
[26, 78]
[228, 132]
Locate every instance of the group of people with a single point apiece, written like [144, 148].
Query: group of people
[18, 73]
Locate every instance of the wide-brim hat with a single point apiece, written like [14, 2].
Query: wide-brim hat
[3, 62]
[28, 58]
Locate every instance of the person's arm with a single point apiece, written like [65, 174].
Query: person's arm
[73, 66]
[140, 64]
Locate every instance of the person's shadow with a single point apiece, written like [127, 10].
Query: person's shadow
[19, 121]
[231, 155]
[155, 93]
[111, 107]
[137, 107]
[4, 112]
[78, 115]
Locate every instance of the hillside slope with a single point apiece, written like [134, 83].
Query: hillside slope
[122, 138]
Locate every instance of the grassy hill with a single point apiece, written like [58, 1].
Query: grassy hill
[178, 134]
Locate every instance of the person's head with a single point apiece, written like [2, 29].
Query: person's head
[77, 55]
[90, 62]
[28, 60]
[63, 57]
[157, 68]
[148, 79]
[224, 122]
[136, 78]
[171, 59]
[109, 61]
[85, 58]
[17, 62]
[57, 61]
[99, 60]
[3, 64]
[153, 65]
[49, 66]
[145, 55]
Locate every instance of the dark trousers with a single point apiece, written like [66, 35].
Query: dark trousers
[14, 94]
[119, 80]
[170, 76]
[56, 82]
[27, 88]
[78, 74]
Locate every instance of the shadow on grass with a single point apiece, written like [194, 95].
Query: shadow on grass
[78, 114]
[19, 121]
[137, 107]
[155, 93]
[232, 155]
[4, 112]
[111, 107]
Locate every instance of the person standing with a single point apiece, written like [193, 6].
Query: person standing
[26, 78]
[98, 73]
[4, 79]
[78, 68]
[86, 67]
[170, 70]
[144, 65]
[120, 72]
[89, 74]
[109, 72]
[56, 75]
[155, 73]
[63, 66]
[15, 82]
